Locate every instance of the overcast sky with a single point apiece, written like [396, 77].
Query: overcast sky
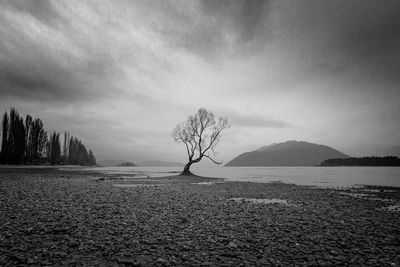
[121, 74]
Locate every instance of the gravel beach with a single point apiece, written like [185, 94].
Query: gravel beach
[57, 217]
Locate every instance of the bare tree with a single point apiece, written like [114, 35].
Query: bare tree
[200, 134]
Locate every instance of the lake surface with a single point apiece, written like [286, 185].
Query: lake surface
[315, 176]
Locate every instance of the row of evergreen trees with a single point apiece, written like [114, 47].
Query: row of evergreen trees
[26, 142]
[364, 161]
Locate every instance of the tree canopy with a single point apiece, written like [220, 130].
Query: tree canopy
[200, 134]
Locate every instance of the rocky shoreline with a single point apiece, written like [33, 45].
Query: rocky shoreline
[55, 217]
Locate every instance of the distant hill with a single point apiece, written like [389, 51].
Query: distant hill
[158, 163]
[290, 153]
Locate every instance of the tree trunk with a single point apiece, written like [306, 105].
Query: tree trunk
[186, 169]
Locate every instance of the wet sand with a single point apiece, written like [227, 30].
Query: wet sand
[54, 217]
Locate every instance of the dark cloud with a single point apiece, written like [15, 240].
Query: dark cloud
[197, 39]
[52, 66]
[245, 17]
[372, 42]
[35, 75]
[40, 9]
[345, 39]
[380, 38]
[257, 121]
[220, 27]
[48, 82]
[47, 68]
[25, 83]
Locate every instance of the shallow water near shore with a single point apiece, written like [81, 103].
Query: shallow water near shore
[313, 176]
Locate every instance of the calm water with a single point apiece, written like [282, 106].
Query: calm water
[316, 176]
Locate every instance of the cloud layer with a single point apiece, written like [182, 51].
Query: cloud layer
[122, 74]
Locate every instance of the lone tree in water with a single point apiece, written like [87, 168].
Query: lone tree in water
[200, 134]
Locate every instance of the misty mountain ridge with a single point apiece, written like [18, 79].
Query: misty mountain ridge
[147, 163]
[159, 163]
[290, 153]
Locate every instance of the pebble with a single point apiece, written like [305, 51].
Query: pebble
[162, 261]
[68, 218]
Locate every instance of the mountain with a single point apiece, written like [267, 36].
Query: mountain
[290, 153]
[158, 163]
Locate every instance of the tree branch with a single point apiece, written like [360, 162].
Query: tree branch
[187, 148]
[214, 137]
[216, 162]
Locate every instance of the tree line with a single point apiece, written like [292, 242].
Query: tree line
[24, 141]
[364, 161]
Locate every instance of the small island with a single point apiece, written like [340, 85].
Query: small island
[126, 164]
